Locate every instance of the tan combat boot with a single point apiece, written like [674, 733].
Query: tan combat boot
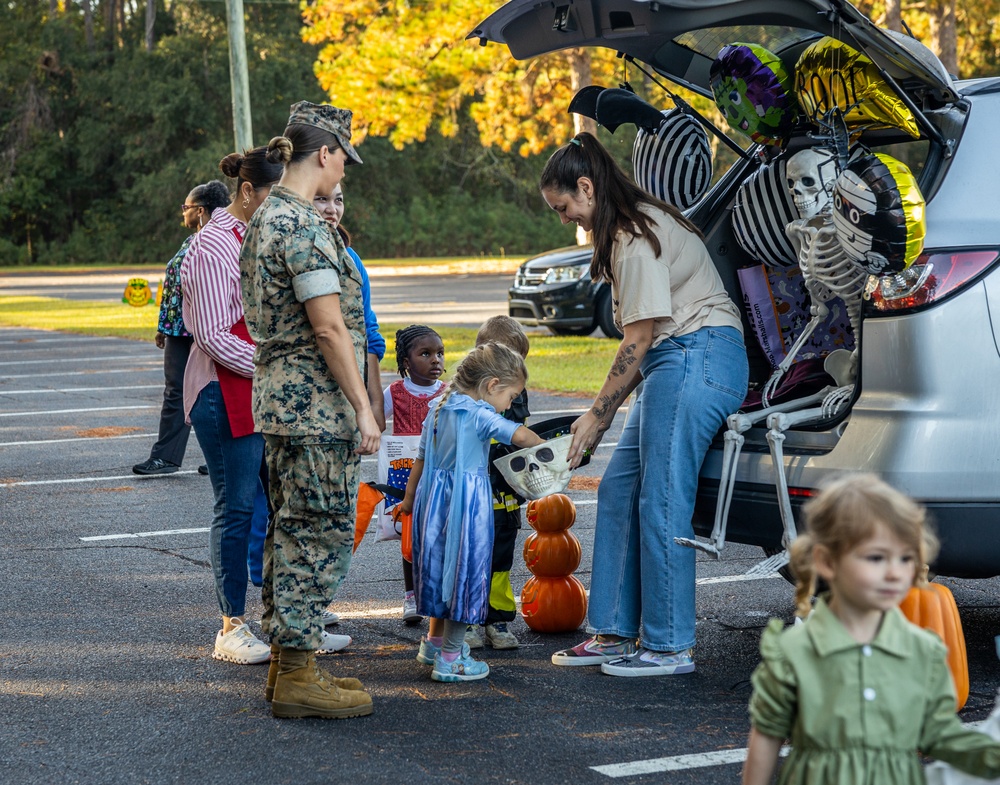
[301, 690]
[346, 683]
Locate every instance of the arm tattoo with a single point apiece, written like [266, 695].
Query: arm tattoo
[624, 360]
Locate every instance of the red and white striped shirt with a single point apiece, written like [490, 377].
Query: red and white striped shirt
[213, 303]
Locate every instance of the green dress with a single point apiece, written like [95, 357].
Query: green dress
[860, 714]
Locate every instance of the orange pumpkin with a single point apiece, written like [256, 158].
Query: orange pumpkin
[553, 604]
[933, 608]
[551, 554]
[553, 513]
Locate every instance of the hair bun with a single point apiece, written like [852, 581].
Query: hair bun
[279, 150]
[231, 164]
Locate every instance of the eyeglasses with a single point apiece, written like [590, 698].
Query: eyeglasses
[186, 207]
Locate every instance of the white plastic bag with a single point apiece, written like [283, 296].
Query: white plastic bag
[395, 460]
[940, 773]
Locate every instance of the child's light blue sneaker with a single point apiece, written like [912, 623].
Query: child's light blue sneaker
[462, 669]
[427, 651]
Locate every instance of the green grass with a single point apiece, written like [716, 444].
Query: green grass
[556, 363]
[507, 263]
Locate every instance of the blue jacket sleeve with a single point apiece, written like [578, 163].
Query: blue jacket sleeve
[376, 343]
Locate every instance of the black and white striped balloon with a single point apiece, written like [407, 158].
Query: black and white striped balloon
[763, 208]
[675, 163]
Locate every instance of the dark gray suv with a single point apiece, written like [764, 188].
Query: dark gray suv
[554, 290]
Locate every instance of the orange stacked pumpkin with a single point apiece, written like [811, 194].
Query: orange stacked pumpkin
[933, 607]
[553, 600]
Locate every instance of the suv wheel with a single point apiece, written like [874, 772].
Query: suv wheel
[605, 317]
[572, 330]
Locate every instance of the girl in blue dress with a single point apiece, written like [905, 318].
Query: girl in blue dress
[449, 495]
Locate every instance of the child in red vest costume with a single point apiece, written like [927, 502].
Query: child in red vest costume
[420, 359]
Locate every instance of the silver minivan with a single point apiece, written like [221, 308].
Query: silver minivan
[925, 408]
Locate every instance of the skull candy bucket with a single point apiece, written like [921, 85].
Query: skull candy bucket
[539, 471]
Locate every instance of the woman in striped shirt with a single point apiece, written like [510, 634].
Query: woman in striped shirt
[217, 384]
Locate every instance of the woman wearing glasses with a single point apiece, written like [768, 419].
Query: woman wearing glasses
[167, 454]
[217, 393]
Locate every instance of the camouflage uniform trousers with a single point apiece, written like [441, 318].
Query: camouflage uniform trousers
[307, 552]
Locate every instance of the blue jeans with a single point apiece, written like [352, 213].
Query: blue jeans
[691, 383]
[234, 469]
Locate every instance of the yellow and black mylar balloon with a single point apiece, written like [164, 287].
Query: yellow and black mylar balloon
[830, 74]
[878, 212]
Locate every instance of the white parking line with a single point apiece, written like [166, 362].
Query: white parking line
[79, 439]
[29, 342]
[157, 368]
[697, 760]
[162, 533]
[72, 360]
[82, 389]
[79, 411]
[736, 578]
[78, 480]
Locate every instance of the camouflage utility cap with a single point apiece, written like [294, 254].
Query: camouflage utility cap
[330, 119]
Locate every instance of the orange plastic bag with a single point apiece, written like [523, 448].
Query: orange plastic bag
[368, 499]
[406, 531]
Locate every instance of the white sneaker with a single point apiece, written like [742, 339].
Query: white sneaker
[241, 646]
[332, 643]
[410, 615]
[330, 618]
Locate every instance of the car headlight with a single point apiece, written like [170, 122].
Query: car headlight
[567, 274]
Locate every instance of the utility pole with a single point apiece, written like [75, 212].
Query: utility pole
[238, 77]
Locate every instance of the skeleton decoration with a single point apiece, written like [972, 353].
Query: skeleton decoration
[828, 272]
[810, 175]
[539, 471]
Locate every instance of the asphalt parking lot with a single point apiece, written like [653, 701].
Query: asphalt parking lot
[106, 674]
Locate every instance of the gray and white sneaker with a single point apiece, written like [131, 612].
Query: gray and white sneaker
[472, 637]
[410, 615]
[499, 637]
[646, 662]
[330, 618]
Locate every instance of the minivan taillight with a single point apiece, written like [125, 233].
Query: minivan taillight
[930, 279]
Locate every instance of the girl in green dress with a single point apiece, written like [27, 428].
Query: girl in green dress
[859, 691]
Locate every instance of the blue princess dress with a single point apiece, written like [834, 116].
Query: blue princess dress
[453, 509]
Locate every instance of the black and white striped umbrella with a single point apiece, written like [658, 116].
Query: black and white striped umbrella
[675, 163]
[763, 208]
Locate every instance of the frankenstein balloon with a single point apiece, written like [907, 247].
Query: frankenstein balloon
[878, 212]
[753, 89]
[674, 163]
[831, 75]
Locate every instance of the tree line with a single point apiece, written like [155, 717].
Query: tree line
[111, 110]
[106, 123]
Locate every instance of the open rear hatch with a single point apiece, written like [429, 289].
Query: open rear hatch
[681, 38]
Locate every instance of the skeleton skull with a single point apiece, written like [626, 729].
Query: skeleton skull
[539, 471]
[811, 175]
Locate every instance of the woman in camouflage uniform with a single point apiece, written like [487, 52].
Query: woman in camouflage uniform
[302, 295]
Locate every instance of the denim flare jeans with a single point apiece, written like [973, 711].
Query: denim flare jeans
[691, 383]
[234, 468]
